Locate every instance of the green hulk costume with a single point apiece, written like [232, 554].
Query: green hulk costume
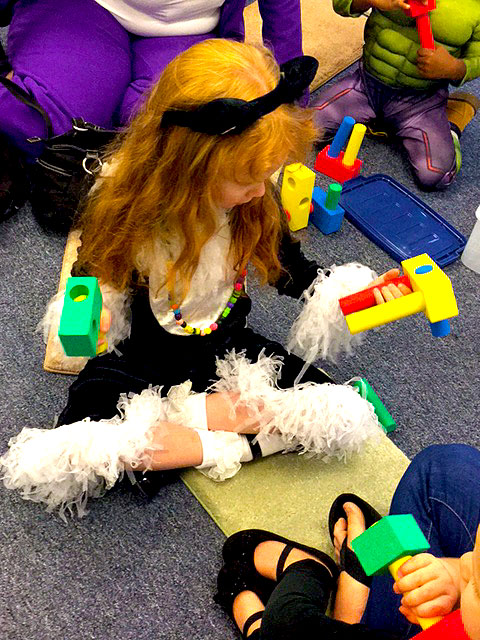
[389, 87]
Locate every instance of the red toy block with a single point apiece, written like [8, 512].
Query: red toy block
[449, 628]
[365, 299]
[417, 8]
[334, 167]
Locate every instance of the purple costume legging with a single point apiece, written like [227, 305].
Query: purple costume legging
[417, 118]
[78, 61]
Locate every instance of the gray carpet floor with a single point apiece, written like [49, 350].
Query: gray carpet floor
[142, 570]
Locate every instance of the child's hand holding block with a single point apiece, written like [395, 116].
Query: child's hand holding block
[432, 294]
[387, 544]
[80, 319]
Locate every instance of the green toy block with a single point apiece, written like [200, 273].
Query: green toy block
[366, 391]
[80, 319]
[388, 540]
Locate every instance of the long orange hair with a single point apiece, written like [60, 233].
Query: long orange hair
[161, 181]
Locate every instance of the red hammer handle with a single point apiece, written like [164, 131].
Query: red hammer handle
[425, 34]
[365, 298]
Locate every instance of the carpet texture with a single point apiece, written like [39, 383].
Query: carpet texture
[291, 495]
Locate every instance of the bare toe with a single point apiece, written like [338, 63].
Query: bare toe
[356, 521]
[339, 533]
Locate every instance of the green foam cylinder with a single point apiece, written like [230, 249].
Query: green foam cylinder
[333, 196]
[367, 392]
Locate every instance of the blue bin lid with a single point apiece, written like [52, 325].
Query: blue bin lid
[398, 221]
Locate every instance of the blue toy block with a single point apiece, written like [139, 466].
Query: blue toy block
[327, 220]
[80, 319]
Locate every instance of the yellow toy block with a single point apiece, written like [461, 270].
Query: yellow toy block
[432, 293]
[296, 194]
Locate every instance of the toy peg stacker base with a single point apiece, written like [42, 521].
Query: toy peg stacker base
[345, 165]
[327, 214]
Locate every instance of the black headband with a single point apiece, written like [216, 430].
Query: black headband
[230, 115]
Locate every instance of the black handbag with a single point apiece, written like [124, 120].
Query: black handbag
[6, 13]
[65, 170]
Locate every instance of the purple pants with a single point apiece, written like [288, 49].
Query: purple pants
[78, 61]
[417, 118]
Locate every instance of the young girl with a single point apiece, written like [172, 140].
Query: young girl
[405, 87]
[184, 205]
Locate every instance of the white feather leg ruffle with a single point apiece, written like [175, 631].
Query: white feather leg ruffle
[327, 420]
[320, 329]
[63, 467]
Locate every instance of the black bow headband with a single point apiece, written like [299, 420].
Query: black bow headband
[230, 115]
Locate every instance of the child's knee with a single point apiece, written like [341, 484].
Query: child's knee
[435, 179]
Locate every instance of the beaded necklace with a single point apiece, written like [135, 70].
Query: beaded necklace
[238, 288]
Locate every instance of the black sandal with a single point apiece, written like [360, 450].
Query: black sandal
[232, 579]
[241, 546]
[348, 560]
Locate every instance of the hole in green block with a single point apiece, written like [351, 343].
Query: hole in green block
[79, 292]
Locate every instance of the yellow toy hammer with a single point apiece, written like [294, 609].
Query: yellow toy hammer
[432, 294]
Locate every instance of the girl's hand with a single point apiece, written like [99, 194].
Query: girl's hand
[105, 324]
[438, 64]
[427, 586]
[386, 291]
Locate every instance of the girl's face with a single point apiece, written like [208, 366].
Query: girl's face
[232, 192]
[470, 589]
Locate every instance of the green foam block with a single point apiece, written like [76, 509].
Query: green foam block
[80, 319]
[388, 540]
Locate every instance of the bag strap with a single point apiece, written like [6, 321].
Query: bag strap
[28, 100]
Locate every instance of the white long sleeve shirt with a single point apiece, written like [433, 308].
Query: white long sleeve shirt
[158, 18]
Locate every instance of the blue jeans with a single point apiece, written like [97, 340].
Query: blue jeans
[441, 488]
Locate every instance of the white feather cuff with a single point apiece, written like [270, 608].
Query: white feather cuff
[327, 420]
[117, 302]
[64, 467]
[320, 330]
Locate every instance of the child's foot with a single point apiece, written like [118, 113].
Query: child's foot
[461, 108]
[271, 558]
[352, 595]
[350, 528]
[247, 612]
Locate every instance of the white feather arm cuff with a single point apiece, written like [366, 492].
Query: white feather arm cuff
[320, 329]
[64, 467]
[327, 420]
[116, 301]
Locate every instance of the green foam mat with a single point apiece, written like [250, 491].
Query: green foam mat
[291, 494]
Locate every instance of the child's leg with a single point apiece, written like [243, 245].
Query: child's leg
[149, 57]
[296, 608]
[73, 57]
[347, 97]
[420, 121]
[440, 488]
